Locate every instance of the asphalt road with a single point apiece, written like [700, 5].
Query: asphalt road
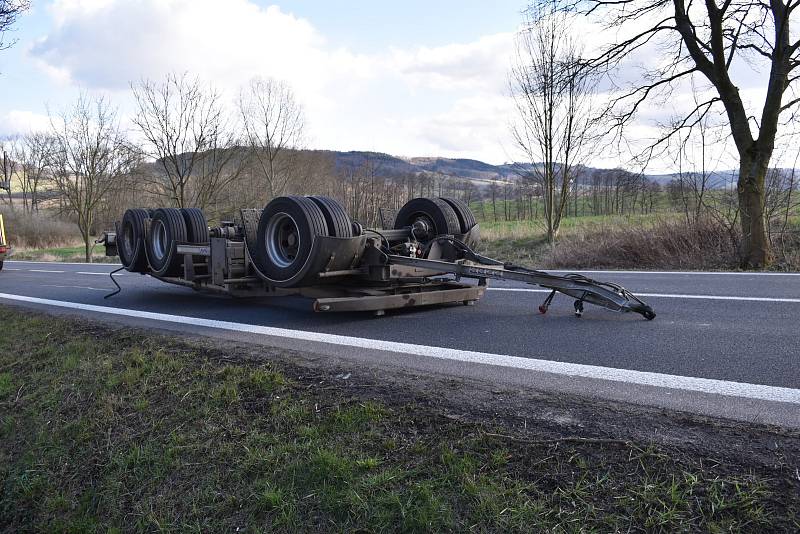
[728, 327]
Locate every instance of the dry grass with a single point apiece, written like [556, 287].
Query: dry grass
[65, 254]
[38, 231]
[645, 242]
[663, 245]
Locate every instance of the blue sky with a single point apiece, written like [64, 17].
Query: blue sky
[365, 25]
[411, 78]
[362, 69]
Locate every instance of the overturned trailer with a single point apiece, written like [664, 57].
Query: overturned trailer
[309, 246]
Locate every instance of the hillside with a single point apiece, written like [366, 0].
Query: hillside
[479, 172]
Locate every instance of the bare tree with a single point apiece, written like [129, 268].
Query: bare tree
[90, 154]
[10, 10]
[553, 97]
[33, 153]
[273, 123]
[186, 132]
[781, 198]
[704, 42]
[494, 188]
[9, 169]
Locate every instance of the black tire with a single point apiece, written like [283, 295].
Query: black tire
[130, 241]
[286, 233]
[466, 219]
[196, 226]
[339, 223]
[434, 211]
[166, 228]
[1, 265]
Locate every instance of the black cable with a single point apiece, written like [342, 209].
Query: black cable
[111, 274]
[388, 247]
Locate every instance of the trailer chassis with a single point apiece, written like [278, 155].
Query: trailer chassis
[366, 274]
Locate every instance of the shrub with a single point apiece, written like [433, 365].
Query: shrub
[38, 230]
[667, 244]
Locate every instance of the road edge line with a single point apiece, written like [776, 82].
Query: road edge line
[645, 378]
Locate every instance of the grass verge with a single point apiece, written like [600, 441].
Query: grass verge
[74, 254]
[640, 242]
[112, 430]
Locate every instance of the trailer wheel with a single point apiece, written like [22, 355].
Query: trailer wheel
[434, 212]
[196, 226]
[337, 220]
[130, 242]
[166, 228]
[286, 232]
[466, 219]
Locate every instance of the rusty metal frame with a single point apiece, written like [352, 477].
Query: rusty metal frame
[347, 294]
[358, 274]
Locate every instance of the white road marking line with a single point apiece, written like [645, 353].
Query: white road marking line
[63, 262]
[687, 383]
[666, 295]
[721, 273]
[526, 290]
[718, 273]
[76, 287]
[12, 269]
[717, 297]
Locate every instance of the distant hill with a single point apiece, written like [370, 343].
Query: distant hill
[716, 180]
[474, 170]
[464, 169]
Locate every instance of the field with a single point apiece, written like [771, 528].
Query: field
[663, 239]
[526, 240]
[109, 429]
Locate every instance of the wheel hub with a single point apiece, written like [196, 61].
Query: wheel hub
[159, 239]
[282, 240]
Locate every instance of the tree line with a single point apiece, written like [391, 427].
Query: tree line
[187, 148]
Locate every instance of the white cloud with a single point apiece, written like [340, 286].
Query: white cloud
[19, 121]
[351, 99]
[475, 127]
[482, 64]
[425, 100]
[107, 44]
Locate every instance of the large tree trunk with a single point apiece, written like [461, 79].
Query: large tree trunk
[87, 249]
[751, 192]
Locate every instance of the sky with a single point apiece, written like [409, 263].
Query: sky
[411, 78]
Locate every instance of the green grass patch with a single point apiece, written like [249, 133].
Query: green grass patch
[66, 254]
[104, 430]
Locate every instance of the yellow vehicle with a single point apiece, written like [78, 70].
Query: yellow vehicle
[4, 247]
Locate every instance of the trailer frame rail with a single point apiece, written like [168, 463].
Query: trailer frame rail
[582, 288]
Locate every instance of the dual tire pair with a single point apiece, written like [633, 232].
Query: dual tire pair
[288, 228]
[441, 215]
[167, 227]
